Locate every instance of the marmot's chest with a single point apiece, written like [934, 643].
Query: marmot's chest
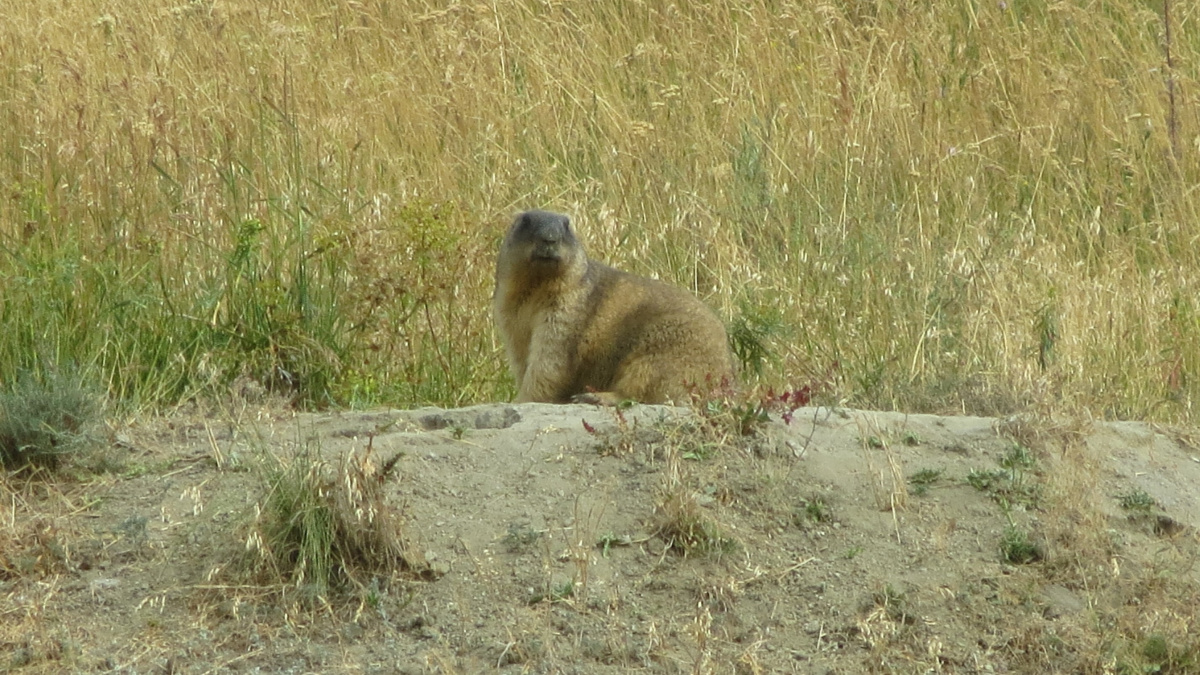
[554, 322]
[545, 318]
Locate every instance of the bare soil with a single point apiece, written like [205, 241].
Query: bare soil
[842, 542]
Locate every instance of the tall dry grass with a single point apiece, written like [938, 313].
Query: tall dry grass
[948, 207]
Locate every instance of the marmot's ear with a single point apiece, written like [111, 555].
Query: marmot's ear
[566, 223]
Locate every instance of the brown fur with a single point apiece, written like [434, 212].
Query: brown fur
[576, 329]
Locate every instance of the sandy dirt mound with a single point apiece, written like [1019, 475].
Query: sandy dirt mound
[582, 540]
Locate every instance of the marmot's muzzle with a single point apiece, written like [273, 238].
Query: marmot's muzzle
[546, 252]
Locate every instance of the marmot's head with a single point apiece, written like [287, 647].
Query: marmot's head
[540, 244]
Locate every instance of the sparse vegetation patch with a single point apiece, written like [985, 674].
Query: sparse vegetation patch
[742, 414]
[1011, 484]
[813, 510]
[1016, 547]
[925, 478]
[1137, 502]
[520, 538]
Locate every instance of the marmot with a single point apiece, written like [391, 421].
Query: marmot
[578, 330]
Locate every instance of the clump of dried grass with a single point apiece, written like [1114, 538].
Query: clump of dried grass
[35, 541]
[323, 528]
[41, 544]
[686, 529]
[35, 549]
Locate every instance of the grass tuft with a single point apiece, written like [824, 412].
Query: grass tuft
[46, 421]
[680, 522]
[322, 529]
[751, 334]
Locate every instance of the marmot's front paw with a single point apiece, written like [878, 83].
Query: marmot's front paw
[604, 398]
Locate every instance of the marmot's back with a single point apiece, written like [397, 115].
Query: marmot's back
[579, 329]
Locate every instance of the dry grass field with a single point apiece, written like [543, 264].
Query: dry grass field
[227, 227]
[975, 208]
